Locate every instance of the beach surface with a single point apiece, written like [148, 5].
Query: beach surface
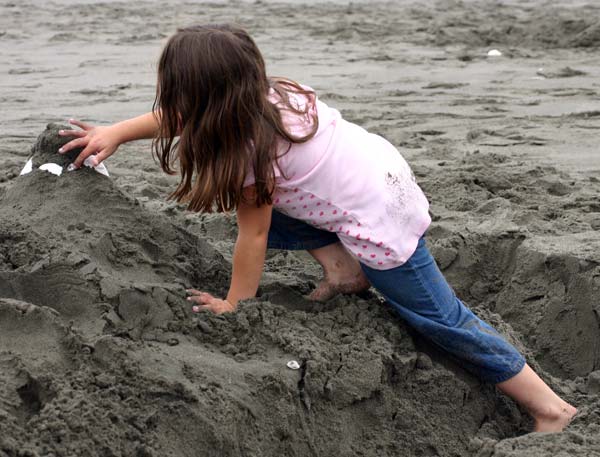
[100, 354]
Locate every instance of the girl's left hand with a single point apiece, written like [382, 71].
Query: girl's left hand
[205, 301]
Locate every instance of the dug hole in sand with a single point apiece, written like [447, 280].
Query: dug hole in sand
[100, 354]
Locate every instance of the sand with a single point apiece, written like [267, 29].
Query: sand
[100, 354]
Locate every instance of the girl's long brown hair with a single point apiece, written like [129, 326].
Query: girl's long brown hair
[212, 93]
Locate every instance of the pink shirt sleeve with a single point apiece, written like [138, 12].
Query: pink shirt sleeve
[297, 125]
[249, 180]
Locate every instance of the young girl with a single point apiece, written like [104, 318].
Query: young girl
[301, 177]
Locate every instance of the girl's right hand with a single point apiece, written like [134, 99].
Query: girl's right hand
[99, 142]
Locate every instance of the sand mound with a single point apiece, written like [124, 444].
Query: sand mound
[100, 354]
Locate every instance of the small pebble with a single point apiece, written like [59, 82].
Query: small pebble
[204, 327]
[172, 341]
[424, 362]
[328, 390]
[240, 357]
[293, 365]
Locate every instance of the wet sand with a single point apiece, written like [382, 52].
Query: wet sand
[99, 352]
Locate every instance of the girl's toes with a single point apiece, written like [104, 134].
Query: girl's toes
[323, 292]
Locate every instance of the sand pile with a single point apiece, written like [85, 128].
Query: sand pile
[100, 354]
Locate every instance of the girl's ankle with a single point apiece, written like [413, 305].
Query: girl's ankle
[554, 418]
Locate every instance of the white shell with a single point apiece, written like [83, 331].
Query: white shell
[494, 53]
[56, 169]
[27, 168]
[53, 168]
[293, 365]
[100, 168]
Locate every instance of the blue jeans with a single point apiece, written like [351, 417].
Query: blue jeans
[419, 293]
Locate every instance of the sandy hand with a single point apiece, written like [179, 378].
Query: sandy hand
[99, 142]
[206, 302]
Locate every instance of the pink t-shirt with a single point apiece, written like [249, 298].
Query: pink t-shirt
[351, 182]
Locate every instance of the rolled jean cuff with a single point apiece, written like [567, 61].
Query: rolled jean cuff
[419, 293]
[518, 367]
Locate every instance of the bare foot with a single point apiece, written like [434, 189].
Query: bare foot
[327, 288]
[555, 421]
[550, 412]
[342, 273]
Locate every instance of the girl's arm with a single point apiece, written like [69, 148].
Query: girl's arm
[249, 252]
[137, 128]
[102, 142]
[248, 258]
